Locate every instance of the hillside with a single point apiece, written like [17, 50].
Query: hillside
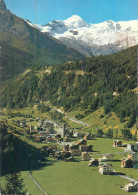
[108, 81]
[25, 40]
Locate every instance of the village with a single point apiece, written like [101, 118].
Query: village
[70, 145]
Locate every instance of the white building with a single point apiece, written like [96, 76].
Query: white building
[131, 187]
[132, 147]
[106, 169]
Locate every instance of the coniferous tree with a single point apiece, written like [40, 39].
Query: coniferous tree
[14, 184]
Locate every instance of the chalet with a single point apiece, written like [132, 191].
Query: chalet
[60, 140]
[131, 187]
[93, 162]
[88, 137]
[57, 136]
[57, 153]
[117, 143]
[76, 152]
[85, 148]
[49, 149]
[50, 140]
[73, 147]
[77, 134]
[81, 142]
[37, 139]
[106, 169]
[85, 156]
[126, 163]
[101, 160]
[51, 155]
[71, 159]
[134, 157]
[66, 148]
[65, 155]
[132, 147]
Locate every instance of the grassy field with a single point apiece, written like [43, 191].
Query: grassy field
[29, 184]
[76, 178]
[102, 145]
[68, 178]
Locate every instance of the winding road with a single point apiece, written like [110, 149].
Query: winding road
[73, 119]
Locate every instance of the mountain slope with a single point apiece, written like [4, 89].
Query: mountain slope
[93, 39]
[87, 85]
[16, 33]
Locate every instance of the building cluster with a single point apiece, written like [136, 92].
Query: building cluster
[104, 167]
[50, 132]
[79, 148]
[132, 159]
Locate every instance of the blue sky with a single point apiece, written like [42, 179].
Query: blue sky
[92, 11]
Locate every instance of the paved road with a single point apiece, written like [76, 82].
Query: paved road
[72, 119]
[109, 153]
[37, 184]
[128, 178]
[125, 177]
[76, 121]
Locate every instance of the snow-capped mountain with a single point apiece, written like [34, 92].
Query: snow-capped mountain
[93, 39]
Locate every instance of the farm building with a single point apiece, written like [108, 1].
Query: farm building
[85, 148]
[117, 143]
[134, 157]
[93, 162]
[85, 156]
[81, 142]
[66, 147]
[74, 147]
[76, 152]
[126, 163]
[88, 137]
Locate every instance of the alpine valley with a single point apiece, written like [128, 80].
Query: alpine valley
[68, 106]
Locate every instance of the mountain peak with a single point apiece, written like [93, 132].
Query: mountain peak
[74, 17]
[2, 5]
[75, 21]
